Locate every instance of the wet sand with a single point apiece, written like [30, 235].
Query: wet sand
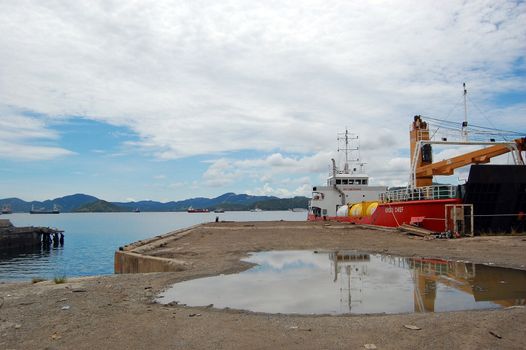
[115, 312]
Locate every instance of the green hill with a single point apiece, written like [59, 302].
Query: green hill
[100, 206]
[282, 203]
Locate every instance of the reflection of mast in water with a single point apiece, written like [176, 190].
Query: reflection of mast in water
[355, 273]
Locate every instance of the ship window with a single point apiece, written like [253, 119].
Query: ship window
[351, 182]
[364, 182]
[338, 182]
[344, 182]
[358, 181]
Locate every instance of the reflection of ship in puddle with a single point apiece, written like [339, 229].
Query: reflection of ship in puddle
[502, 286]
[351, 286]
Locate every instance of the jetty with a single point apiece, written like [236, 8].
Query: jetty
[12, 237]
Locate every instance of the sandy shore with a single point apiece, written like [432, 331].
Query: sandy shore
[116, 312]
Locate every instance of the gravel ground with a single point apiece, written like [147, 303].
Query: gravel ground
[116, 312]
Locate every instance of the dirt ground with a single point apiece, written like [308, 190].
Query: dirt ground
[118, 312]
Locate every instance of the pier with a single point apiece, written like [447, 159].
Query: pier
[12, 237]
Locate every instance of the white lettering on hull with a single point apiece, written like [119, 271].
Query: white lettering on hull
[394, 209]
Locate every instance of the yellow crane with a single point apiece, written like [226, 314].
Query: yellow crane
[423, 169]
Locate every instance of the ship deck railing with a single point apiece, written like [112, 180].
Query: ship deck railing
[420, 193]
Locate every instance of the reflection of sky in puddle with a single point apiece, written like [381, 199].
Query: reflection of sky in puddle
[305, 282]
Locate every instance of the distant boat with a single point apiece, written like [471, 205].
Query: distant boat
[136, 210]
[6, 209]
[219, 210]
[256, 210]
[197, 210]
[44, 210]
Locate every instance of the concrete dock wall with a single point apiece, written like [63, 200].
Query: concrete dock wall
[134, 258]
[129, 262]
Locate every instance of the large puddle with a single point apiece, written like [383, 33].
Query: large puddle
[306, 282]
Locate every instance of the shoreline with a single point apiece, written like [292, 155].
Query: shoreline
[117, 311]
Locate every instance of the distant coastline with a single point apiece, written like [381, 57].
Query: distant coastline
[228, 202]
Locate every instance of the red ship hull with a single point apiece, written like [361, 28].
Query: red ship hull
[430, 214]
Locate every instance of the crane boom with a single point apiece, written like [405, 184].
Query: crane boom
[447, 166]
[423, 168]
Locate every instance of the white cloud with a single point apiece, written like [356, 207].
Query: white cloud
[17, 127]
[28, 152]
[204, 77]
[27, 138]
[267, 190]
[220, 173]
[224, 172]
[253, 76]
[278, 163]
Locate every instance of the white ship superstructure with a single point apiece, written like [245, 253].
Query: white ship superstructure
[349, 184]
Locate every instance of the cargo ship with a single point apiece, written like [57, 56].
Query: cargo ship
[492, 200]
[55, 210]
[197, 210]
[6, 209]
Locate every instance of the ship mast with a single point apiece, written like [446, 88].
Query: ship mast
[346, 138]
[465, 123]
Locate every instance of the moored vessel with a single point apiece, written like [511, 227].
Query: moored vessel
[492, 199]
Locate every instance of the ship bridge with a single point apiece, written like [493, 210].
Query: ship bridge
[348, 179]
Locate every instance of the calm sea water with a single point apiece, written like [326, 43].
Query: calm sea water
[92, 238]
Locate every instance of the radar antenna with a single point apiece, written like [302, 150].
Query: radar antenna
[346, 138]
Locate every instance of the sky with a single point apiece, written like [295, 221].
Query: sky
[167, 100]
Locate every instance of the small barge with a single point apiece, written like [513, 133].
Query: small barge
[12, 237]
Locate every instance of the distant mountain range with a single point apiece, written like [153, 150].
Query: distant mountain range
[228, 201]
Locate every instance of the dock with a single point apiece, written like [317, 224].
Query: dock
[12, 237]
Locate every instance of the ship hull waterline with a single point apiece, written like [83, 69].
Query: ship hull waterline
[430, 212]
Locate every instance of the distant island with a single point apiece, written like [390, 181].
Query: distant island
[229, 202]
[99, 206]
